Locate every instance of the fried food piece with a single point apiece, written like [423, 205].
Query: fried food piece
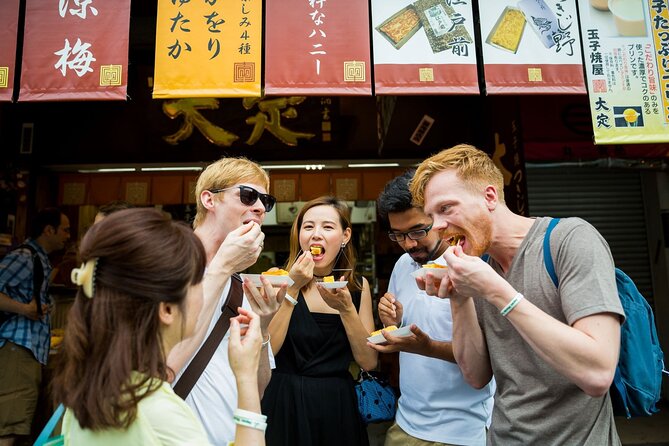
[433, 265]
[401, 25]
[316, 250]
[388, 328]
[329, 279]
[278, 272]
[455, 240]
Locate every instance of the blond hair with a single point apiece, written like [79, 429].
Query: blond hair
[473, 166]
[227, 172]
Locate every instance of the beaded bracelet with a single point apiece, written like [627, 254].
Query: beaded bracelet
[511, 305]
[250, 419]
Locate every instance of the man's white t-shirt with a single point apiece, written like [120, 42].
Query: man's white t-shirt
[214, 396]
[436, 403]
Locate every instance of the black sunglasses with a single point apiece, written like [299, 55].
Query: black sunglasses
[249, 196]
[416, 234]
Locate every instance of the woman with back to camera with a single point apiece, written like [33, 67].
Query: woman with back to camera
[316, 333]
[141, 293]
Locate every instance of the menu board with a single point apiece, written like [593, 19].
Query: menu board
[626, 44]
[424, 47]
[531, 46]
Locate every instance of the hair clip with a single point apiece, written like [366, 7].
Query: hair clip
[84, 276]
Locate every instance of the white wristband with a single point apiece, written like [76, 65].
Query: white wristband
[512, 304]
[254, 416]
[250, 419]
[291, 299]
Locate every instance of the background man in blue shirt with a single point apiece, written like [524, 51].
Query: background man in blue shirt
[24, 335]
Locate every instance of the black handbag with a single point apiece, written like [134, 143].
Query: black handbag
[377, 400]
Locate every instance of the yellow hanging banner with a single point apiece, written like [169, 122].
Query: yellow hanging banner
[208, 48]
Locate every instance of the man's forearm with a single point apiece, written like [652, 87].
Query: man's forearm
[441, 350]
[10, 305]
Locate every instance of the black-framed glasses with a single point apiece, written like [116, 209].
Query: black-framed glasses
[416, 234]
[248, 196]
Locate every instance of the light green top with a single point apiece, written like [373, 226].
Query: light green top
[162, 419]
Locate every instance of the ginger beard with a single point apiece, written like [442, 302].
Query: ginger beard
[472, 243]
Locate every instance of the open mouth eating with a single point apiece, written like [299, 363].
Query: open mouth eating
[457, 239]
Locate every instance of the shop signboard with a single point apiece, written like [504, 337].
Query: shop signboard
[531, 47]
[9, 26]
[317, 47]
[210, 48]
[75, 50]
[626, 44]
[424, 47]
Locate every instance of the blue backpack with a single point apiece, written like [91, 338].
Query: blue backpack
[638, 379]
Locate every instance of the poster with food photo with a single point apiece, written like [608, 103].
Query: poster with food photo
[531, 46]
[626, 44]
[424, 47]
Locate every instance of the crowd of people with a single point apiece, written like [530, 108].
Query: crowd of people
[166, 345]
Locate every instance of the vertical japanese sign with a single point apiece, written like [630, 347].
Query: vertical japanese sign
[75, 50]
[9, 26]
[317, 47]
[424, 47]
[208, 48]
[627, 65]
[531, 46]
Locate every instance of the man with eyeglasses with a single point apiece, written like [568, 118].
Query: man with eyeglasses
[436, 406]
[232, 202]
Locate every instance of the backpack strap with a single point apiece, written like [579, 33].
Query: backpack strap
[194, 370]
[548, 258]
[38, 276]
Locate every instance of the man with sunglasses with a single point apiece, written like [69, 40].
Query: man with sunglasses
[232, 202]
[436, 406]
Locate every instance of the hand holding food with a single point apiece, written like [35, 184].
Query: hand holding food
[239, 250]
[245, 353]
[264, 301]
[337, 298]
[302, 270]
[390, 310]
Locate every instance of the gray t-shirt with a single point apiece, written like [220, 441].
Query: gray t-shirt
[534, 404]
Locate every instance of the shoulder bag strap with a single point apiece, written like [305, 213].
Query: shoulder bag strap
[50, 426]
[548, 258]
[205, 353]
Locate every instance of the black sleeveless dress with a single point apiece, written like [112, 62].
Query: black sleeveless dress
[310, 400]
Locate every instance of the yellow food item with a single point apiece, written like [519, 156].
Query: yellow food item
[329, 279]
[433, 265]
[510, 30]
[57, 337]
[455, 240]
[316, 250]
[278, 272]
[401, 25]
[388, 328]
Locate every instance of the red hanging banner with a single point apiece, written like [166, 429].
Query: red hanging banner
[9, 26]
[317, 47]
[75, 50]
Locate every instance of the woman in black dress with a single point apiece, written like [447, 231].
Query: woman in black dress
[310, 400]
